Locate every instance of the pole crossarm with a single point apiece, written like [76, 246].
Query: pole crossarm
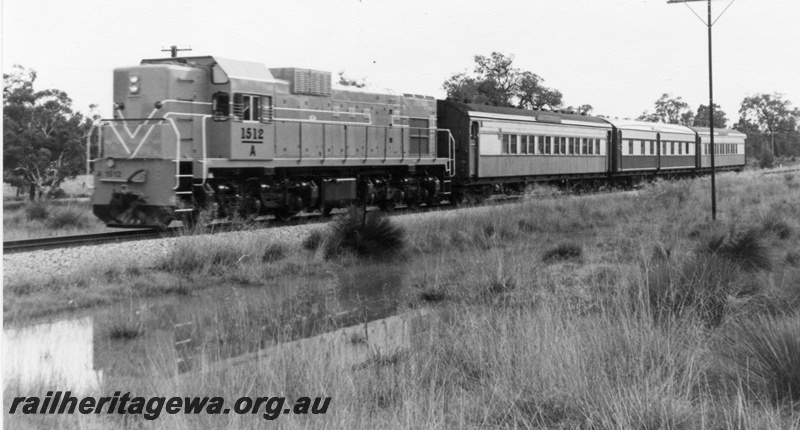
[710, 23]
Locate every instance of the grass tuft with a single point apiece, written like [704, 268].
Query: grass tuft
[765, 355]
[38, 210]
[699, 287]
[69, 217]
[373, 235]
[564, 251]
[313, 241]
[773, 223]
[746, 249]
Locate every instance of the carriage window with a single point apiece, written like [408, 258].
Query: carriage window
[597, 144]
[630, 147]
[419, 130]
[547, 142]
[680, 148]
[571, 145]
[672, 148]
[523, 144]
[506, 146]
[687, 147]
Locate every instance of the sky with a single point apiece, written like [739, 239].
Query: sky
[619, 56]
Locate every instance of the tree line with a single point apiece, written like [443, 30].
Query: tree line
[44, 139]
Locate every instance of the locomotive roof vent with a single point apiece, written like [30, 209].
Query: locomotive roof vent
[305, 81]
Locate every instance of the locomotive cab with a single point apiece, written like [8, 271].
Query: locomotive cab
[149, 142]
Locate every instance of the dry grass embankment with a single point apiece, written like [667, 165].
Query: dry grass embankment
[629, 310]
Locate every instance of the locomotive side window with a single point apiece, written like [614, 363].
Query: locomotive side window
[251, 107]
[221, 105]
[419, 135]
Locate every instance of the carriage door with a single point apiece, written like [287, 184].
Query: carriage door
[473, 149]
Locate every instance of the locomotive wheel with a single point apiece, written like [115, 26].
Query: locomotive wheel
[250, 208]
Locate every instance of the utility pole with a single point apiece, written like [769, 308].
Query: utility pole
[174, 50]
[709, 24]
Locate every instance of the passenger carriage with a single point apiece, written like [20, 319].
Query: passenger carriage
[640, 146]
[729, 148]
[515, 146]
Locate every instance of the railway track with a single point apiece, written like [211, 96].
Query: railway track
[58, 242]
[16, 246]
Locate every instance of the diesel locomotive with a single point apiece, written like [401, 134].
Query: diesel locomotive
[240, 139]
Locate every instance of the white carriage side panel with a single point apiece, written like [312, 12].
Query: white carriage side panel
[492, 132]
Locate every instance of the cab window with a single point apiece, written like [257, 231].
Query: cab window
[251, 107]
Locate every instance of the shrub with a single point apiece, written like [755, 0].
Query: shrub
[772, 222]
[69, 217]
[38, 210]
[765, 354]
[273, 252]
[746, 249]
[700, 287]
[313, 240]
[125, 327]
[767, 160]
[57, 193]
[373, 235]
[564, 251]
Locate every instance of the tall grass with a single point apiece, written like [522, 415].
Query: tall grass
[44, 218]
[764, 354]
[700, 333]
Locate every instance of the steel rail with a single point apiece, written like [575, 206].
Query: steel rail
[57, 242]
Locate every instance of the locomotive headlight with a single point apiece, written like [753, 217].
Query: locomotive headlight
[110, 163]
[134, 84]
